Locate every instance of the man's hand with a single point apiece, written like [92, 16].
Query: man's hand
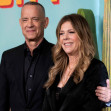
[104, 93]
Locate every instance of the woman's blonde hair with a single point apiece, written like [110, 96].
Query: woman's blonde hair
[86, 49]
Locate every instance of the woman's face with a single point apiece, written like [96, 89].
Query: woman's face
[69, 39]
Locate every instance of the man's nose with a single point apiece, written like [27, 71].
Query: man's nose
[30, 23]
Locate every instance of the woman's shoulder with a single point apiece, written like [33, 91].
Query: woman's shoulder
[97, 72]
[98, 64]
[96, 68]
[96, 61]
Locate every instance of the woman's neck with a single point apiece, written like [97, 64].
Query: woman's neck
[73, 61]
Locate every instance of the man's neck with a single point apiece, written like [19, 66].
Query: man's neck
[33, 44]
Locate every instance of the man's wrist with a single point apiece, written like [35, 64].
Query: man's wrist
[108, 104]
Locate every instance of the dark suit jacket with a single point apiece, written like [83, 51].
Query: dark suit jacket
[79, 97]
[12, 91]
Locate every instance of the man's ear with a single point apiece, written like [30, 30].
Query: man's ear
[46, 22]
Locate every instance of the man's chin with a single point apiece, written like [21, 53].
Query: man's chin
[33, 39]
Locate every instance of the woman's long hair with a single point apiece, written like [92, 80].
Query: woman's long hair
[86, 49]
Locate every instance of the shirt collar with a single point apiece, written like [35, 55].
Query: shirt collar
[36, 50]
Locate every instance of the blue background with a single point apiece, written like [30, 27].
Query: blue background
[11, 34]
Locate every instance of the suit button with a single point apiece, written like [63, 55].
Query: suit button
[30, 76]
[29, 89]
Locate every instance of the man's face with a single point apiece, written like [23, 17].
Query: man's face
[33, 22]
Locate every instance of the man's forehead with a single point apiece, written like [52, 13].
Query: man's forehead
[31, 6]
[26, 8]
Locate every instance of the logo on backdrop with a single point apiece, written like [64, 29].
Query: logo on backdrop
[19, 3]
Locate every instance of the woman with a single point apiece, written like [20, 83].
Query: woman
[75, 74]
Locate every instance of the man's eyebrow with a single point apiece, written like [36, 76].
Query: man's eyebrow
[24, 18]
[31, 17]
[36, 17]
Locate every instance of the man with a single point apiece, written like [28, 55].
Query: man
[24, 69]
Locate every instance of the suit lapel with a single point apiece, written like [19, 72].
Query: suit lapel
[35, 81]
[71, 89]
[43, 63]
[19, 71]
[39, 74]
[41, 70]
[65, 90]
[51, 92]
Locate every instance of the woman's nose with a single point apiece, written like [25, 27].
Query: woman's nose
[66, 36]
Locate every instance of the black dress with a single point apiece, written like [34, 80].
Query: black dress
[81, 96]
